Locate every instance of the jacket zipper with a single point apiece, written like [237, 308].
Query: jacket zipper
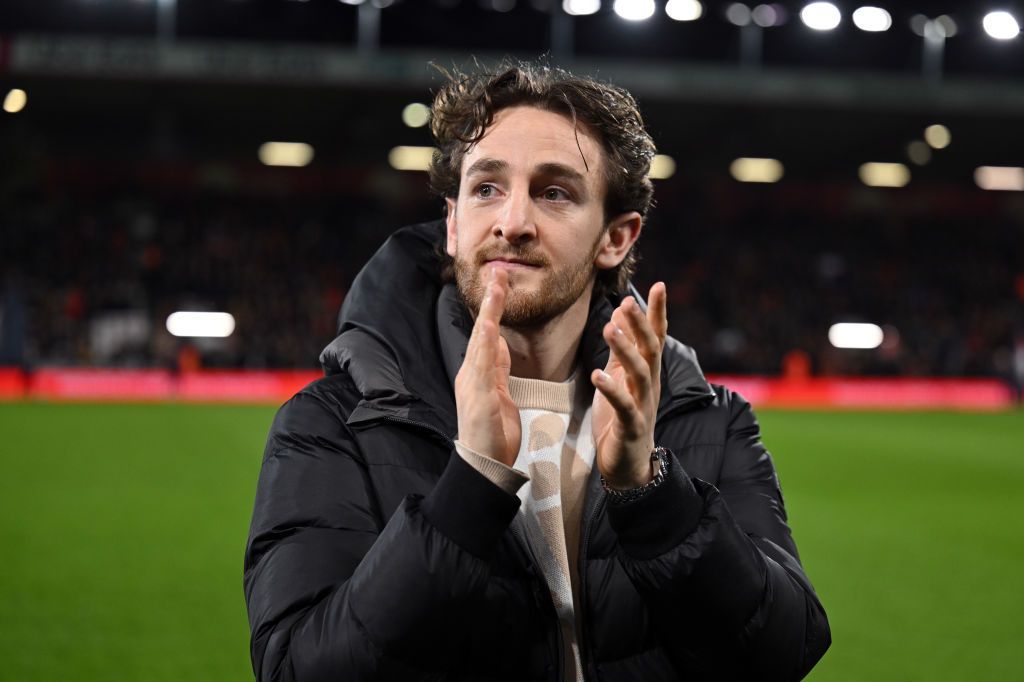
[422, 425]
[584, 601]
[542, 594]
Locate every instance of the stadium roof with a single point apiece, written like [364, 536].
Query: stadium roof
[532, 27]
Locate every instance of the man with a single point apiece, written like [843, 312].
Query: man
[517, 475]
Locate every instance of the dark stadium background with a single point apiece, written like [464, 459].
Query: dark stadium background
[131, 188]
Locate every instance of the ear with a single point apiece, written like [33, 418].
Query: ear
[618, 239]
[452, 229]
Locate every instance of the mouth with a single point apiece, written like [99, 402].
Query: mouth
[510, 263]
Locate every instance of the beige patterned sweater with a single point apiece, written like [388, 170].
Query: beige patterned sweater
[557, 451]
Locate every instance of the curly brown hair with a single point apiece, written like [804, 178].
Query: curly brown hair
[466, 105]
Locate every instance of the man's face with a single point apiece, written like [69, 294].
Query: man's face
[529, 203]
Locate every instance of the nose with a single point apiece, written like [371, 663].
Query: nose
[515, 222]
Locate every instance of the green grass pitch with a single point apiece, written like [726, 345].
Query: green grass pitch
[122, 530]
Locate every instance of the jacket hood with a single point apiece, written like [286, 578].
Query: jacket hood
[402, 333]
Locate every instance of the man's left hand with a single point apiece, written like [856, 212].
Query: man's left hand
[628, 391]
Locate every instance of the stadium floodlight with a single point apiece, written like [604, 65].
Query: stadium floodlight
[201, 324]
[579, 8]
[738, 14]
[946, 26]
[937, 29]
[855, 335]
[415, 115]
[933, 47]
[872, 19]
[1000, 178]
[410, 158]
[876, 174]
[937, 136]
[634, 10]
[748, 169]
[1000, 25]
[684, 10]
[663, 166]
[292, 154]
[821, 16]
[767, 16]
[919, 153]
[15, 101]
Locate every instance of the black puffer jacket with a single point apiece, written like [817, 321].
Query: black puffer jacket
[375, 553]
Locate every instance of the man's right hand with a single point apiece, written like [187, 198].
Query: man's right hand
[488, 419]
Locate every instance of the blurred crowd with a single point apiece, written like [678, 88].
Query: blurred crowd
[755, 278]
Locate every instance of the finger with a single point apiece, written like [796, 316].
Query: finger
[613, 361]
[657, 310]
[486, 352]
[494, 301]
[620, 400]
[637, 369]
[486, 355]
[491, 308]
[647, 340]
[621, 320]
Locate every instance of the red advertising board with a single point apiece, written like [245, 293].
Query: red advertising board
[274, 387]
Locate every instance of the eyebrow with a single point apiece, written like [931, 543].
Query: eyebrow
[487, 165]
[557, 170]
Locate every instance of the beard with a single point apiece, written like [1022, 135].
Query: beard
[558, 289]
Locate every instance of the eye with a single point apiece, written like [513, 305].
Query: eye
[485, 191]
[555, 194]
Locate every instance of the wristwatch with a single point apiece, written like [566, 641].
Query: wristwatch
[659, 455]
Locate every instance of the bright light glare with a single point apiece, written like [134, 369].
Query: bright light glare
[215, 325]
[15, 101]
[855, 335]
[738, 14]
[872, 19]
[937, 136]
[821, 16]
[1000, 25]
[353, 2]
[946, 25]
[919, 152]
[579, 8]
[634, 10]
[416, 115]
[406, 158]
[746, 169]
[684, 10]
[765, 16]
[293, 154]
[918, 24]
[1005, 178]
[662, 166]
[884, 174]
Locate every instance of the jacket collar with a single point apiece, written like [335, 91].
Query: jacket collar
[390, 344]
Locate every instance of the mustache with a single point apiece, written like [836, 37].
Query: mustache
[524, 255]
